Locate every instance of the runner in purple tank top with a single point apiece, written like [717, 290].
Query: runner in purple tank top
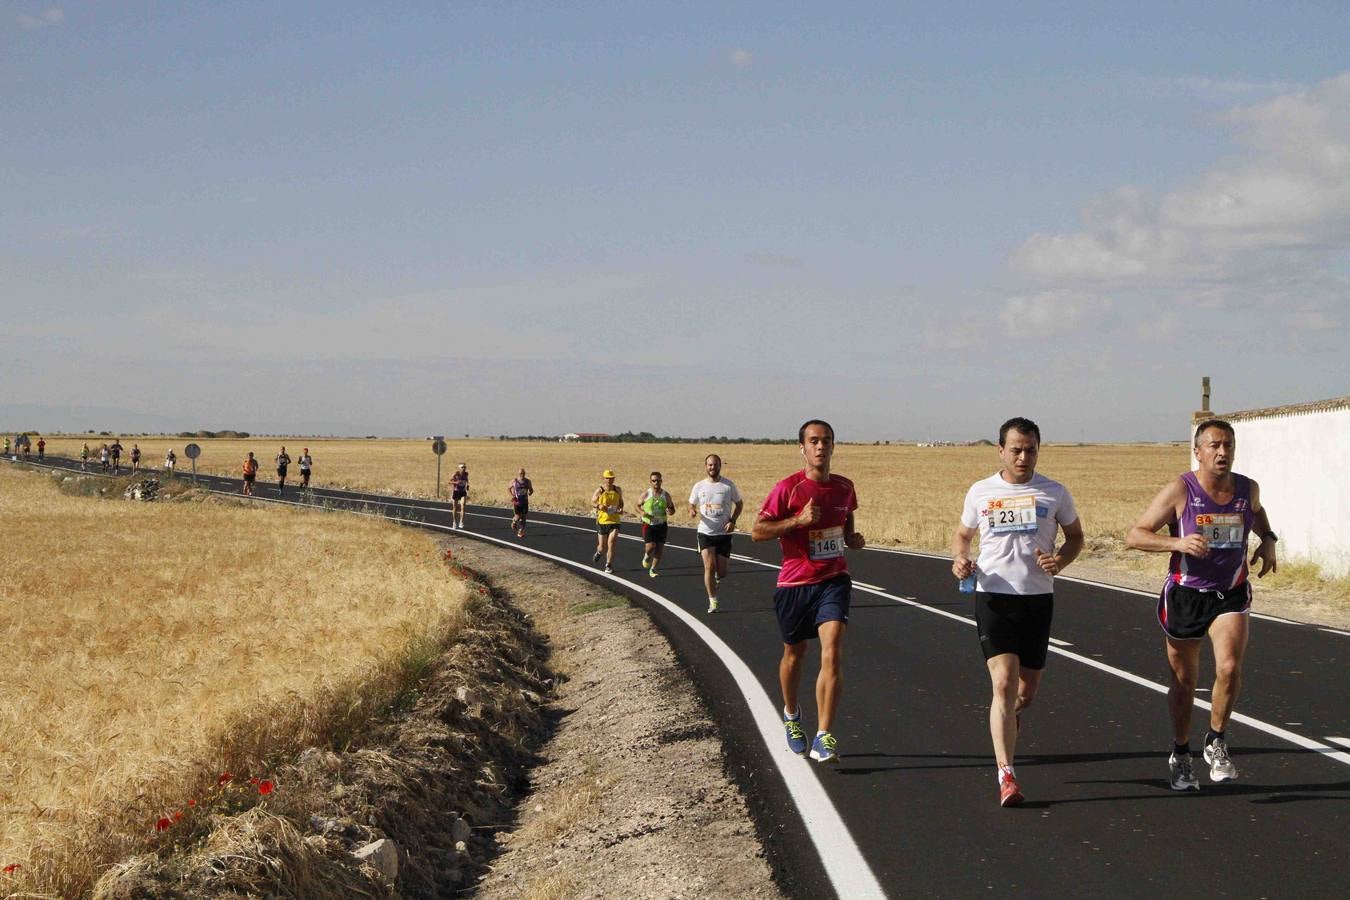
[1209, 513]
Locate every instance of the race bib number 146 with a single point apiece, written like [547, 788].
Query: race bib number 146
[826, 543]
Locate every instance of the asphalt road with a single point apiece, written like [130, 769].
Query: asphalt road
[915, 792]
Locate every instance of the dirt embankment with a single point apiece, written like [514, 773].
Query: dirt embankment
[555, 750]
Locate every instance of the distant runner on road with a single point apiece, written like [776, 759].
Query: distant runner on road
[135, 458]
[1210, 514]
[810, 514]
[306, 464]
[42, 449]
[1017, 514]
[283, 463]
[116, 450]
[104, 454]
[170, 462]
[84, 457]
[716, 502]
[608, 503]
[519, 490]
[655, 506]
[459, 492]
[250, 473]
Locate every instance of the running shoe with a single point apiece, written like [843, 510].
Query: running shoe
[652, 573]
[824, 748]
[609, 570]
[1180, 773]
[712, 604]
[1221, 766]
[646, 560]
[1009, 794]
[596, 557]
[796, 736]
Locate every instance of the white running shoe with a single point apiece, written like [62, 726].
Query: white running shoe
[712, 604]
[1221, 766]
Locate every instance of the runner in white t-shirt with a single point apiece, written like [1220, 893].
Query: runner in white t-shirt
[1018, 515]
[717, 503]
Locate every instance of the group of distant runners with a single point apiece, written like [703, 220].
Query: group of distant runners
[1016, 513]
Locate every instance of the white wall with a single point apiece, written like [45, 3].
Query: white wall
[1300, 462]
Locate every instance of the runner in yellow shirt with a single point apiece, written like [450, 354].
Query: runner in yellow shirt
[608, 503]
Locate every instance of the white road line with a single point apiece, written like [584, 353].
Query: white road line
[1344, 742]
[1335, 631]
[875, 587]
[1269, 618]
[1058, 643]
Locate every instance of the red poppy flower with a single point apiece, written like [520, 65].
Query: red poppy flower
[265, 787]
[11, 868]
[224, 777]
[163, 825]
[178, 817]
[192, 803]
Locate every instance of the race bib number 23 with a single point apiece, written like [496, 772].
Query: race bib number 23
[1010, 515]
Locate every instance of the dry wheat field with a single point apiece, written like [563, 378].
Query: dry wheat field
[149, 647]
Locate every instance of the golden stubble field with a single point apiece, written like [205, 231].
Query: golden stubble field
[148, 647]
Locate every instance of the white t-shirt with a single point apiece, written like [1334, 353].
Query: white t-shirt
[715, 502]
[1014, 520]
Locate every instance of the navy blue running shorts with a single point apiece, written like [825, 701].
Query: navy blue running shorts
[801, 608]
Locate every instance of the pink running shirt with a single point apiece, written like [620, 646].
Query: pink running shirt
[815, 554]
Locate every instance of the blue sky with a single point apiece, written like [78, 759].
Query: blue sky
[491, 218]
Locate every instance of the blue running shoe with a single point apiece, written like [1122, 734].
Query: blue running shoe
[796, 736]
[824, 749]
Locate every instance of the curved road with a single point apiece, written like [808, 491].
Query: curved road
[911, 809]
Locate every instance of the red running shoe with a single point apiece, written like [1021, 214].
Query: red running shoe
[1009, 794]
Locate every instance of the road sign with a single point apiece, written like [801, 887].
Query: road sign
[438, 447]
[192, 451]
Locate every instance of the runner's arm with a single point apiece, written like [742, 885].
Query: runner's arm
[1068, 551]
[1161, 510]
[1265, 552]
[962, 565]
[772, 529]
[853, 539]
[735, 514]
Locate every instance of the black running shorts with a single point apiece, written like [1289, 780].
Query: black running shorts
[606, 529]
[718, 543]
[1185, 614]
[1015, 623]
[522, 508]
[655, 532]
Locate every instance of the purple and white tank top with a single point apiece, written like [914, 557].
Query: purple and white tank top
[1226, 525]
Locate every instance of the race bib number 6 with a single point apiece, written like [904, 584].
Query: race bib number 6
[1222, 530]
[1010, 515]
[826, 543]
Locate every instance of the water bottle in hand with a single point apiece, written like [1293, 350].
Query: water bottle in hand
[967, 584]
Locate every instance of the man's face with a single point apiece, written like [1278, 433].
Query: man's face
[1019, 452]
[817, 446]
[713, 466]
[1215, 450]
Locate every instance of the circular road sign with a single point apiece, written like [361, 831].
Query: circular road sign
[438, 447]
[192, 451]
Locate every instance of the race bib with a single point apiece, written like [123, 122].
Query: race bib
[826, 543]
[712, 510]
[1222, 530]
[1011, 515]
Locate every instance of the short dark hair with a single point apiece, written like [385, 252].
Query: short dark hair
[1018, 423]
[656, 475]
[801, 432]
[712, 456]
[1212, 423]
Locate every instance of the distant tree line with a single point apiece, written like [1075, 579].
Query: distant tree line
[646, 437]
[227, 433]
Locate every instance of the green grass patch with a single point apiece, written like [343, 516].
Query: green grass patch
[609, 601]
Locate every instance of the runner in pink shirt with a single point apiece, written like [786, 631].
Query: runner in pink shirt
[810, 514]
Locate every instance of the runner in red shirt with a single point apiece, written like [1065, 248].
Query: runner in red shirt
[810, 514]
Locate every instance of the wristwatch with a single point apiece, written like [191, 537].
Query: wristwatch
[1270, 536]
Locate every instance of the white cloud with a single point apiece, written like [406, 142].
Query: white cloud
[48, 17]
[1289, 189]
[1052, 313]
[741, 58]
[1229, 87]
